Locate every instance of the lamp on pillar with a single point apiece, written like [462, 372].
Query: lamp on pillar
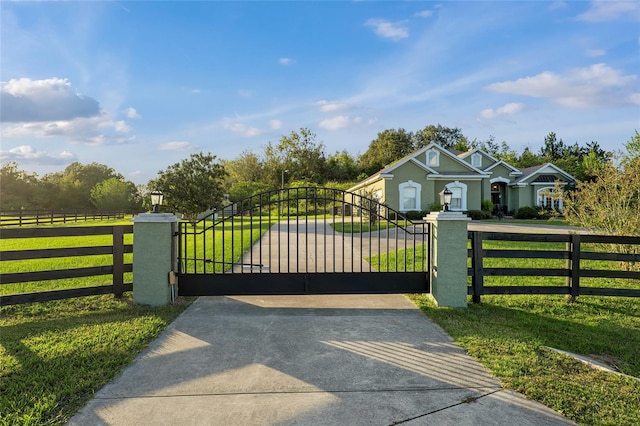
[445, 198]
[156, 200]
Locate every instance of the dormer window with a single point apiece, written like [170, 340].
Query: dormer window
[476, 160]
[433, 158]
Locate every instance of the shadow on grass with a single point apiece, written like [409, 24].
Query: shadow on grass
[56, 355]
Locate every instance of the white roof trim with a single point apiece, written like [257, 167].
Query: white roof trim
[507, 165]
[480, 151]
[461, 177]
[500, 179]
[544, 169]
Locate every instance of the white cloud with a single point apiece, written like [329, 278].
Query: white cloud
[132, 113]
[326, 106]
[286, 61]
[26, 100]
[275, 124]
[394, 30]
[196, 91]
[245, 93]
[606, 10]
[27, 154]
[92, 131]
[423, 14]
[240, 128]
[335, 123]
[634, 98]
[176, 146]
[503, 111]
[595, 86]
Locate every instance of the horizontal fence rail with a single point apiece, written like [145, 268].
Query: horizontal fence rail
[50, 217]
[573, 271]
[117, 269]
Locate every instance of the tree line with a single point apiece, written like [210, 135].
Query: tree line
[296, 159]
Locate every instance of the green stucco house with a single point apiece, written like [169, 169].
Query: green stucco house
[414, 182]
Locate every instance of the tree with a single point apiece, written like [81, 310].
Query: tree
[17, 188]
[192, 186]
[73, 186]
[341, 167]
[389, 146]
[633, 146]
[299, 155]
[444, 136]
[115, 195]
[611, 202]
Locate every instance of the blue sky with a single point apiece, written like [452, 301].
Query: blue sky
[141, 85]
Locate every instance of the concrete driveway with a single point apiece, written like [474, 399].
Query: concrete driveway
[307, 360]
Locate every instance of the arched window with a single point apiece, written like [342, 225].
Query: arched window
[458, 196]
[410, 193]
[433, 158]
[476, 160]
[548, 198]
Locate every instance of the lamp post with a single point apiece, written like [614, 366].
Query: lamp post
[156, 200]
[282, 181]
[445, 198]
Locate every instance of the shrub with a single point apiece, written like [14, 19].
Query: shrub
[526, 213]
[487, 206]
[479, 214]
[415, 215]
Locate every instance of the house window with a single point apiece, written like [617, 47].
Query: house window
[409, 196]
[458, 196]
[547, 198]
[476, 160]
[433, 158]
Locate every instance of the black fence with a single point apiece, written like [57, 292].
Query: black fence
[50, 217]
[117, 269]
[573, 271]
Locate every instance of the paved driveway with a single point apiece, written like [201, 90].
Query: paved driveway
[307, 360]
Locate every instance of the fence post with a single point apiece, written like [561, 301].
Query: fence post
[477, 277]
[448, 273]
[118, 261]
[153, 257]
[573, 265]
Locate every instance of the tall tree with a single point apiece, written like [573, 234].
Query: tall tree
[341, 167]
[17, 188]
[73, 185]
[116, 195]
[446, 137]
[192, 186]
[296, 157]
[387, 147]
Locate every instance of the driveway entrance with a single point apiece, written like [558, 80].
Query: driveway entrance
[303, 241]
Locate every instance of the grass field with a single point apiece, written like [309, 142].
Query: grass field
[510, 334]
[55, 355]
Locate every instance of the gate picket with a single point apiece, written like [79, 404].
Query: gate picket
[286, 242]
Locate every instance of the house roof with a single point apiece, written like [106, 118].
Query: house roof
[472, 171]
[542, 172]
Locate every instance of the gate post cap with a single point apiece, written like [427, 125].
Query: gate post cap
[440, 216]
[155, 217]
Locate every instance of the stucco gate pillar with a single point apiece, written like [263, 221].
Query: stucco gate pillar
[448, 275]
[153, 258]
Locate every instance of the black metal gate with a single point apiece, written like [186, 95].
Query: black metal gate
[303, 241]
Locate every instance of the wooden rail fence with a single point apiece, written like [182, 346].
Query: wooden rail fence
[572, 254]
[50, 217]
[117, 269]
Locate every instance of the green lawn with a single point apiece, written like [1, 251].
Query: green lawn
[55, 355]
[509, 334]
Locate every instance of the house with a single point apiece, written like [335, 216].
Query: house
[414, 182]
